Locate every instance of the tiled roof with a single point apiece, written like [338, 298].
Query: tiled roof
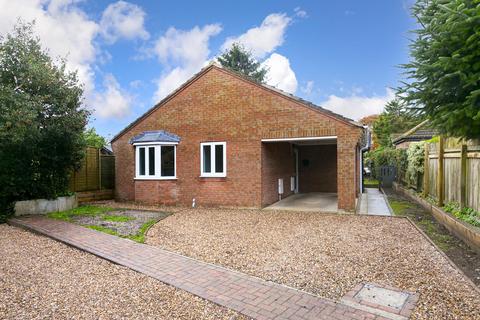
[268, 87]
[422, 131]
[155, 136]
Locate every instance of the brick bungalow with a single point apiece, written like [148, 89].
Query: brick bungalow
[225, 140]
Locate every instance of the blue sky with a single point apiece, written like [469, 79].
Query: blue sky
[342, 55]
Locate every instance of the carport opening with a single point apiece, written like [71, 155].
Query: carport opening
[307, 169]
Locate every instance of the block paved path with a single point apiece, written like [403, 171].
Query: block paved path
[246, 294]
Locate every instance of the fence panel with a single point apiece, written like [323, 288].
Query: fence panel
[96, 172]
[107, 171]
[452, 169]
[473, 183]
[453, 174]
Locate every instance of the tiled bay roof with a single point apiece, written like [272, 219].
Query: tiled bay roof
[155, 136]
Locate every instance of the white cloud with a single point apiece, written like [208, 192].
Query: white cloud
[299, 12]
[112, 102]
[264, 39]
[357, 107]
[308, 88]
[123, 20]
[187, 50]
[62, 27]
[279, 74]
[66, 31]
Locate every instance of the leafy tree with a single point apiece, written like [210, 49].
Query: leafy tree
[396, 118]
[41, 121]
[238, 59]
[444, 72]
[93, 139]
[369, 120]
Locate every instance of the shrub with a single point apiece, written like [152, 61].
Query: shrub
[41, 121]
[387, 156]
[415, 160]
[466, 214]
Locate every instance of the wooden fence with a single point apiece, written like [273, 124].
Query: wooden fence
[97, 172]
[452, 172]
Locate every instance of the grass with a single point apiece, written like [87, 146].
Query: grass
[80, 211]
[103, 229]
[117, 218]
[399, 207]
[408, 209]
[139, 237]
[102, 211]
[370, 183]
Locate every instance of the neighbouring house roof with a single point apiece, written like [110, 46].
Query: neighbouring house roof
[212, 65]
[107, 150]
[422, 131]
[155, 136]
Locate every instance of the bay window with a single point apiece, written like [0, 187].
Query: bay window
[155, 161]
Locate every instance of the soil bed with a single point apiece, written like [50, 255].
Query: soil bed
[464, 257]
[124, 227]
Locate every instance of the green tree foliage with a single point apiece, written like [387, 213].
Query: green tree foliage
[41, 121]
[238, 59]
[444, 74]
[415, 167]
[396, 118]
[93, 139]
[384, 156]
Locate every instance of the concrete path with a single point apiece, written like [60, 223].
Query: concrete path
[374, 203]
[312, 201]
[246, 294]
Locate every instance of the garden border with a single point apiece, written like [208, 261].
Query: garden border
[44, 206]
[469, 234]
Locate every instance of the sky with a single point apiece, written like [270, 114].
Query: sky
[343, 55]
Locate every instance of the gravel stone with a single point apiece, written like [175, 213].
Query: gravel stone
[44, 279]
[323, 254]
[125, 228]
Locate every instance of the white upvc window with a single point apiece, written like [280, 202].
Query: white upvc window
[155, 161]
[213, 159]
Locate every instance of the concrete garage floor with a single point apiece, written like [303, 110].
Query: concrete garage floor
[313, 201]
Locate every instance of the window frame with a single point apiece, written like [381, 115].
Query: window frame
[213, 174]
[158, 160]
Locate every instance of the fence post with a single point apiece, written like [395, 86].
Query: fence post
[463, 177]
[440, 174]
[86, 169]
[426, 171]
[99, 155]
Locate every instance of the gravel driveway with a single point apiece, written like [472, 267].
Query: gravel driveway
[323, 254]
[43, 279]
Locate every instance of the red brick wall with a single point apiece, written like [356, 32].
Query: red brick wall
[321, 173]
[156, 191]
[219, 106]
[278, 162]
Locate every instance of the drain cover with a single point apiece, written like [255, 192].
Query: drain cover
[388, 302]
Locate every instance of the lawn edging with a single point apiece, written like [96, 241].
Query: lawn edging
[469, 234]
